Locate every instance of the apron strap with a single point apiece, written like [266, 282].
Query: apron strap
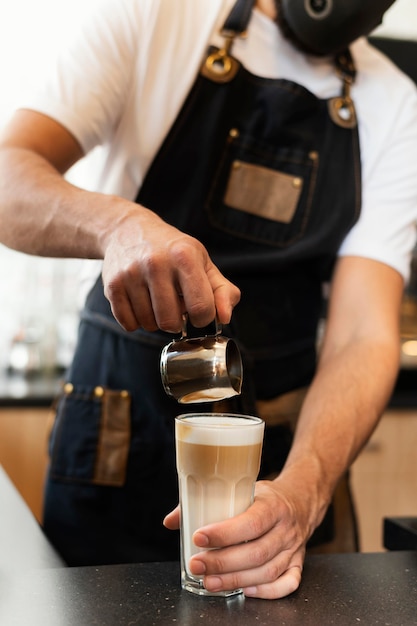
[342, 109]
[345, 64]
[220, 66]
[239, 17]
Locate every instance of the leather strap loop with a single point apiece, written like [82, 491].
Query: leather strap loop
[239, 16]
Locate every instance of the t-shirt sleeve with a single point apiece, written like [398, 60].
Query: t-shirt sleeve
[386, 229]
[86, 86]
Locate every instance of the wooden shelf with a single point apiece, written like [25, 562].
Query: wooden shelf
[384, 476]
[23, 451]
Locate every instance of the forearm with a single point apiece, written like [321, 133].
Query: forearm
[343, 406]
[41, 213]
[152, 272]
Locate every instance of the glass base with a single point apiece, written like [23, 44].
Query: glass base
[195, 586]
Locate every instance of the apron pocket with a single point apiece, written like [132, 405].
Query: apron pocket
[90, 439]
[263, 193]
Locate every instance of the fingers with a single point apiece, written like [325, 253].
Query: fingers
[158, 302]
[261, 550]
[144, 294]
[121, 307]
[205, 290]
[152, 284]
[172, 520]
[267, 511]
[277, 586]
[276, 577]
[131, 308]
[269, 566]
[287, 583]
[226, 294]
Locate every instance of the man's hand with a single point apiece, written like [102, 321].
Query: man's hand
[153, 273]
[261, 550]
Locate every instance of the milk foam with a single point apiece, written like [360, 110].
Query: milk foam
[219, 430]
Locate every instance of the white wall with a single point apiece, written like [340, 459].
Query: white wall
[400, 20]
[36, 295]
[30, 32]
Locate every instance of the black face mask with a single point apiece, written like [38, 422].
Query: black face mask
[324, 27]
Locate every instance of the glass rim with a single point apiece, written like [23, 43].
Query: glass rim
[251, 420]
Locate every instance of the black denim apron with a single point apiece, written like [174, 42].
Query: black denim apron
[267, 176]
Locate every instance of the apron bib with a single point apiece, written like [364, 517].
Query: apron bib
[254, 169]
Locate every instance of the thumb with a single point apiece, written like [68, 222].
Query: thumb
[226, 294]
[172, 520]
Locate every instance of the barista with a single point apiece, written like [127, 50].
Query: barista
[250, 172]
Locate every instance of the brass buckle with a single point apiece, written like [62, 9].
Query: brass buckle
[220, 66]
[342, 109]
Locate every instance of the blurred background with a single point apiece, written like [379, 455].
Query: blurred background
[38, 296]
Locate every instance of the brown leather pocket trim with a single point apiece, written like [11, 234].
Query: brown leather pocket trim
[262, 191]
[114, 437]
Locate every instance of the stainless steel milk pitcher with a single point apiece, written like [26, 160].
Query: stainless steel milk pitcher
[203, 369]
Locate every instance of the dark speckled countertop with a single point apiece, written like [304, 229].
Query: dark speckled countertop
[37, 589]
[345, 590]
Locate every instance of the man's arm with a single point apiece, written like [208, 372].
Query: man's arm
[263, 549]
[152, 272]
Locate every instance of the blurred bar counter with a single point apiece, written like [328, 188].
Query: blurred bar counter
[34, 391]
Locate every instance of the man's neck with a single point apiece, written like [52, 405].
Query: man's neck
[267, 7]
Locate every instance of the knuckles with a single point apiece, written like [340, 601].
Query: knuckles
[169, 325]
[179, 254]
[114, 290]
[200, 314]
[260, 555]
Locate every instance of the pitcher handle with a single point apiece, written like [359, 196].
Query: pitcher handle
[218, 330]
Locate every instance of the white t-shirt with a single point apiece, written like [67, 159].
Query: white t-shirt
[122, 83]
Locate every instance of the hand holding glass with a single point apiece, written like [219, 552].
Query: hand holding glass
[218, 460]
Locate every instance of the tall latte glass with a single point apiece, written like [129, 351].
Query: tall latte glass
[218, 459]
